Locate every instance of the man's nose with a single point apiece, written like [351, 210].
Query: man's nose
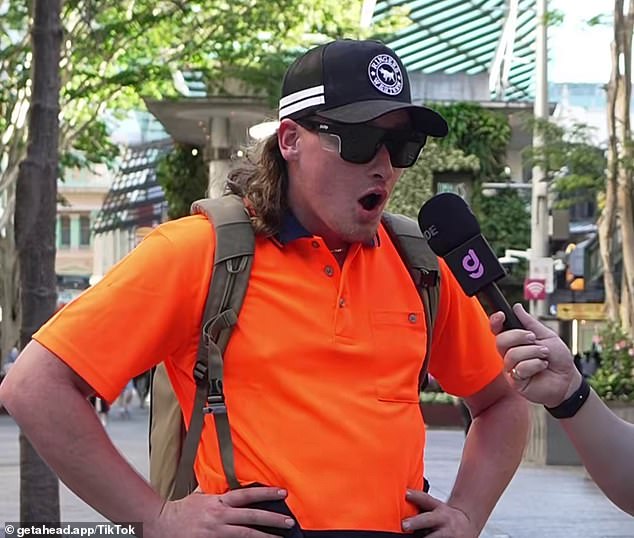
[382, 163]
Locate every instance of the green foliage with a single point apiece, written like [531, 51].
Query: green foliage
[117, 52]
[476, 148]
[602, 19]
[437, 397]
[573, 164]
[91, 145]
[555, 17]
[614, 380]
[183, 177]
[416, 184]
[505, 219]
[479, 132]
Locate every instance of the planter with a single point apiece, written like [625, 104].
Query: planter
[548, 444]
[625, 410]
[442, 415]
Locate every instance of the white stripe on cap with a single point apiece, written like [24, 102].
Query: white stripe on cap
[291, 109]
[301, 100]
[302, 94]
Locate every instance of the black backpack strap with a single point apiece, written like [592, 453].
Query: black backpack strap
[235, 245]
[422, 265]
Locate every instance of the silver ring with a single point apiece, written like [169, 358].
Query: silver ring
[516, 375]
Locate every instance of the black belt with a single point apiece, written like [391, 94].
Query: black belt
[280, 507]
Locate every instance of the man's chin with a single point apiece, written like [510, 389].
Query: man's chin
[363, 234]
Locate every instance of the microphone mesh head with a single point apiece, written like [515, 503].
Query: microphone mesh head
[447, 222]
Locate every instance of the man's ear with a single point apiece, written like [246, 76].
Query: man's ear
[288, 139]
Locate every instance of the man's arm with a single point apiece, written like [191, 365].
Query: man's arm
[492, 451]
[48, 400]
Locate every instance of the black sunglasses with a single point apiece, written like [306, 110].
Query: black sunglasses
[358, 143]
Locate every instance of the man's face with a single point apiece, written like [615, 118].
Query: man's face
[335, 199]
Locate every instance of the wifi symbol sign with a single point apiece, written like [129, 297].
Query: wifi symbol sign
[534, 289]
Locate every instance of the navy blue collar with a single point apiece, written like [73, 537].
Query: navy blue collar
[291, 229]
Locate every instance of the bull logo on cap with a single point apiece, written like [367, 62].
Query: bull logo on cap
[385, 74]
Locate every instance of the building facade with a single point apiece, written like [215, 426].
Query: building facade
[81, 194]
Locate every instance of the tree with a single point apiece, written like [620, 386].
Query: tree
[618, 213]
[35, 210]
[416, 184]
[114, 53]
[574, 165]
[184, 178]
[475, 147]
[117, 51]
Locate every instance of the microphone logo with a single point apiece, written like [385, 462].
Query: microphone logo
[472, 264]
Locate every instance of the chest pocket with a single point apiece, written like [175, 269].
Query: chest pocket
[400, 339]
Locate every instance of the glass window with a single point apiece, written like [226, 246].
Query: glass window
[84, 231]
[64, 240]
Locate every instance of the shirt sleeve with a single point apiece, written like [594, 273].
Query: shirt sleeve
[464, 358]
[145, 310]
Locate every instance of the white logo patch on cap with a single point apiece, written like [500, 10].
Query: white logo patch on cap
[385, 74]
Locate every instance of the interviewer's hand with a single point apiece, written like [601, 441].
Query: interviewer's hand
[539, 364]
[441, 520]
[200, 515]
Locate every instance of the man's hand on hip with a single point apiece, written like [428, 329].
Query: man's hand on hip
[440, 519]
[221, 516]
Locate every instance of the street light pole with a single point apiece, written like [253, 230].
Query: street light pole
[539, 194]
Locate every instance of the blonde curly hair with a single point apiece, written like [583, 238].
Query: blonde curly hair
[262, 179]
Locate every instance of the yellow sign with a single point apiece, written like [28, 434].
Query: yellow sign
[589, 311]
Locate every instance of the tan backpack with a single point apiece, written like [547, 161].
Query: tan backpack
[173, 446]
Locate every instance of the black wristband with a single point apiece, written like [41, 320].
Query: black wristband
[569, 407]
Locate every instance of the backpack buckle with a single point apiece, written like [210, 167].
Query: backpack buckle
[200, 372]
[215, 398]
[428, 279]
[215, 405]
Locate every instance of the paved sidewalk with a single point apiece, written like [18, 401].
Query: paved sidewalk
[541, 502]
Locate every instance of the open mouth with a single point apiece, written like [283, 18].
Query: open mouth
[371, 201]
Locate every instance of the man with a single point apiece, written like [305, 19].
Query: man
[543, 371]
[321, 373]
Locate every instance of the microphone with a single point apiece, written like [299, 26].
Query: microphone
[453, 233]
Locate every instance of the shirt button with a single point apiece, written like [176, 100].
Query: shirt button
[315, 244]
[329, 270]
[342, 302]
[412, 318]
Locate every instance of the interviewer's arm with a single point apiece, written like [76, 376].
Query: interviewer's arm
[605, 444]
[545, 374]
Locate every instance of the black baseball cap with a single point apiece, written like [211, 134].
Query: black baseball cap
[353, 81]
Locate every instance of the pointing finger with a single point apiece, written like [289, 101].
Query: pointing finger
[530, 323]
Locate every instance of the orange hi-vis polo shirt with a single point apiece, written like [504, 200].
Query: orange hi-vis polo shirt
[320, 374]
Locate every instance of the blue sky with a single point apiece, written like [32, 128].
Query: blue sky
[578, 52]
